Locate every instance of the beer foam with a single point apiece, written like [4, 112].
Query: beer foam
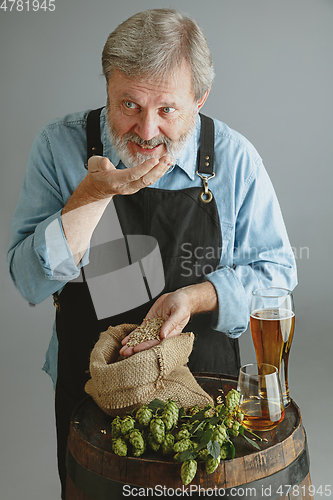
[272, 314]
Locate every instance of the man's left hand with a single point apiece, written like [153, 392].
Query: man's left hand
[176, 308]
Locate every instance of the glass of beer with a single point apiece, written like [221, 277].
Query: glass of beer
[272, 323]
[261, 397]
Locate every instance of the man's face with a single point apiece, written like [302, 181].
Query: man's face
[148, 119]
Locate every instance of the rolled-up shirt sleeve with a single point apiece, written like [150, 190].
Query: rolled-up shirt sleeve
[39, 258]
[53, 252]
[259, 254]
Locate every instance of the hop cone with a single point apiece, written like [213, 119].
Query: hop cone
[144, 416]
[203, 454]
[170, 414]
[136, 439]
[157, 428]
[240, 416]
[183, 434]
[171, 405]
[234, 431]
[210, 412]
[188, 471]
[167, 445]
[193, 410]
[137, 452]
[116, 428]
[127, 425]
[229, 422]
[182, 445]
[232, 400]
[152, 443]
[119, 447]
[211, 464]
[220, 434]
[224, 453]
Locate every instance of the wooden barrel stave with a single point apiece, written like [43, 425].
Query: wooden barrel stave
[92, 450]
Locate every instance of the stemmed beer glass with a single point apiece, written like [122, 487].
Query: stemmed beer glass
[272, 323]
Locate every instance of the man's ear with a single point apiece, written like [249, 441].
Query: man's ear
[202, 100]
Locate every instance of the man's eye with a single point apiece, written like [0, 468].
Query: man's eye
[168, 110]
[130, 104]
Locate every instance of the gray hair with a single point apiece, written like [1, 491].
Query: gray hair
[154, 43]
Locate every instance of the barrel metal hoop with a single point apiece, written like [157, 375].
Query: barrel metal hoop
[102, 488]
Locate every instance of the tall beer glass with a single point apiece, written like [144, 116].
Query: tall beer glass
[272, 323]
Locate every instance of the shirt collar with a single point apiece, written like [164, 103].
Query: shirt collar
[187, 160]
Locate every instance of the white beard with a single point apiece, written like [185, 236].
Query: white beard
[120, 144]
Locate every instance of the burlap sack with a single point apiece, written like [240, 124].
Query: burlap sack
[158, 372]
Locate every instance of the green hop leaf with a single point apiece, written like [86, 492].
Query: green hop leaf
[155, 404]
[250, 441]
[214, 449]
[220, 410]
[188, 454]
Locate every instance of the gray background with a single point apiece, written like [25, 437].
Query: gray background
[273, 61]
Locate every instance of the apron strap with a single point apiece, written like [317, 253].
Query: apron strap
[94, 143]
[206, 157]
[206, 152]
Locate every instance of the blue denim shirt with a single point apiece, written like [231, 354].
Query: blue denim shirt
[256, 251]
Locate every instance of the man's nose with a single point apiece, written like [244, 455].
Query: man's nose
[147, 126]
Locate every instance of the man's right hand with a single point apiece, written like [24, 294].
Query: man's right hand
[103, 180]
[87, 204]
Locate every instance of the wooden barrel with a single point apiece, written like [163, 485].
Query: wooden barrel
[280, 470]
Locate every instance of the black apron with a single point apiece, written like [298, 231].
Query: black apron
[173, 218]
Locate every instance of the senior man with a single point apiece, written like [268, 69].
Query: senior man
[196, 186]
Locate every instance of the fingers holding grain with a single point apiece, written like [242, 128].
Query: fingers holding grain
[144, 336]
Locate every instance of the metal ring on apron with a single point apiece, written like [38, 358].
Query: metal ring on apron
[206, 195]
